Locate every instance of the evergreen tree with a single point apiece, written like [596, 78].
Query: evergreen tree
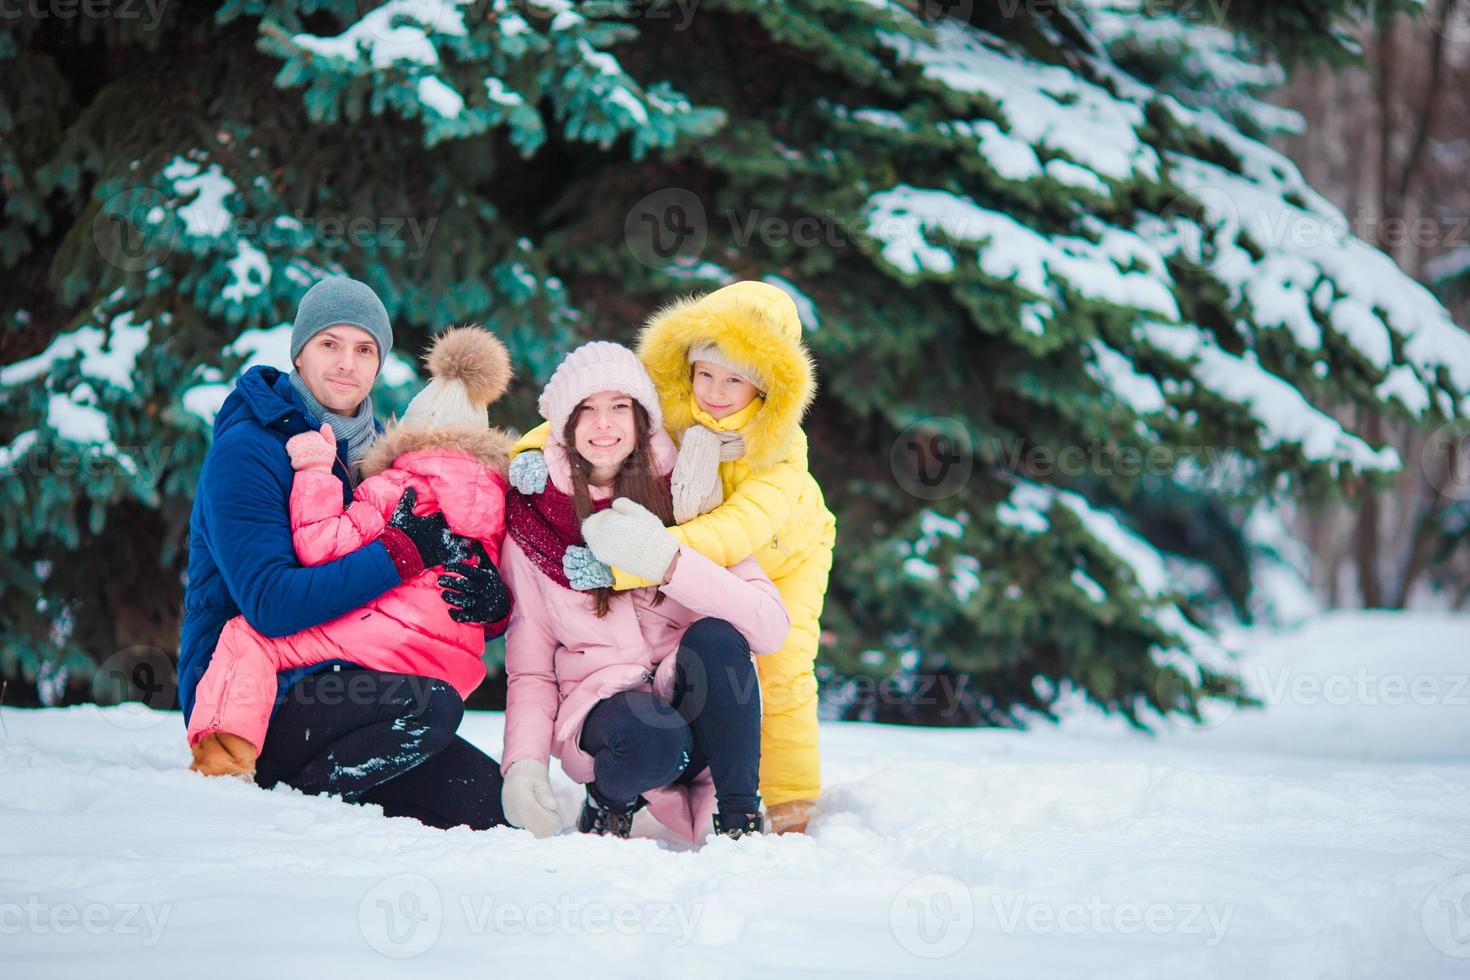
[1074, 322]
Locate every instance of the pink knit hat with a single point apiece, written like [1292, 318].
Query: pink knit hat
[597, 366]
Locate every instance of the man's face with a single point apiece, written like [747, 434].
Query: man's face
[338, 366]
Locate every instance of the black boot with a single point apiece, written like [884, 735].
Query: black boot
[737, 825]
[602, 819]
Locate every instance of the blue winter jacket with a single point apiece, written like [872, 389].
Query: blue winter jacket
[241, 560]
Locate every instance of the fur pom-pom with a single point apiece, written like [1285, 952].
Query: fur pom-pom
[475, 358]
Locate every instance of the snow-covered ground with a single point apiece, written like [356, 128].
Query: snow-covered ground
[1328, 836]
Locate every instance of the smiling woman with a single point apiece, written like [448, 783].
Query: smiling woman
[649, 696]
[604, 428]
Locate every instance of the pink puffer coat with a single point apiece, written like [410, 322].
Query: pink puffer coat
[561, 659]
[454, 471]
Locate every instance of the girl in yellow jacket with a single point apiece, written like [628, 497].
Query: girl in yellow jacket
[734, 380]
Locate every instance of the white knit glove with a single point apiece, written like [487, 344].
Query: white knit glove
[628, 536]
[528, 800]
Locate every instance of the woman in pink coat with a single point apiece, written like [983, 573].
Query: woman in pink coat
[647, 696]
[442, 457]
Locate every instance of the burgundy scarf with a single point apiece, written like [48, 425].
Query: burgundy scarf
[545, 525]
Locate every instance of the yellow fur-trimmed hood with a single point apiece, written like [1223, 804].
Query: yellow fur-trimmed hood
[490, 446]
[753, 323]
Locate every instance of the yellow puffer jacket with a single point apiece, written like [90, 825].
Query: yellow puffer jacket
[773, 508]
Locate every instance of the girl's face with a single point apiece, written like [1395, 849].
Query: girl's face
[720, 391]
[606, 429]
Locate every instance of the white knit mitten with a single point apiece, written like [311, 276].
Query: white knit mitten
[527, 798]
[629, 536]
[695, 484]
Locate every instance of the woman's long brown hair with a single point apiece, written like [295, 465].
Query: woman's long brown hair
[637, 478]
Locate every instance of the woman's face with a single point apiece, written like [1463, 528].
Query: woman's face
[606, 430]
[720, 391]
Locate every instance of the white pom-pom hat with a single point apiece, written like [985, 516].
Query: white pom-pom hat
[470, 369]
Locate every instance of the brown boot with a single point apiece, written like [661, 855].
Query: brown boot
[790, 817]
[223, 754]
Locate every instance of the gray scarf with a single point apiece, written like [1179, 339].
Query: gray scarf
[357, 429]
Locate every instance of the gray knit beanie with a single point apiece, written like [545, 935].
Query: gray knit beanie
[341, 300]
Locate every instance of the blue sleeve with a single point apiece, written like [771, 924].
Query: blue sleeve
[247, 512]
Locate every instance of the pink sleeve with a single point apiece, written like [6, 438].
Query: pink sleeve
[532, 697]
[323, 530]
[496, 508]
[742, 595]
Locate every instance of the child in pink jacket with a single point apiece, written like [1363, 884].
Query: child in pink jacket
[648, 695]
[442, 457]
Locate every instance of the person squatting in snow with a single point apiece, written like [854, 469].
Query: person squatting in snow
[441, 457]
[369, 736]
[734, 380]
[648, 696]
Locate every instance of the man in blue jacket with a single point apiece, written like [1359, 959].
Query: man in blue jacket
[366, 735]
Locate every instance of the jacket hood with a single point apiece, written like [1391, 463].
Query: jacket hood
[462, 466]
[263, 395]
[753, 323]
[489, 447]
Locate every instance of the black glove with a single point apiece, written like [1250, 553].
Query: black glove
[475, 593]
[430, 534]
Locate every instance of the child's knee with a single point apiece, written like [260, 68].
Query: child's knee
[713, 638]
[625, 720]
[638, 733]
[432, 710]
[715, 662]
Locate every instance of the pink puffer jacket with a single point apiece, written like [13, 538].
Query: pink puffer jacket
[458, 472]
[561, 659]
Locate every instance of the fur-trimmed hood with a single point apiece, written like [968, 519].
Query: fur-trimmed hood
[490, 447]
[753, 323]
